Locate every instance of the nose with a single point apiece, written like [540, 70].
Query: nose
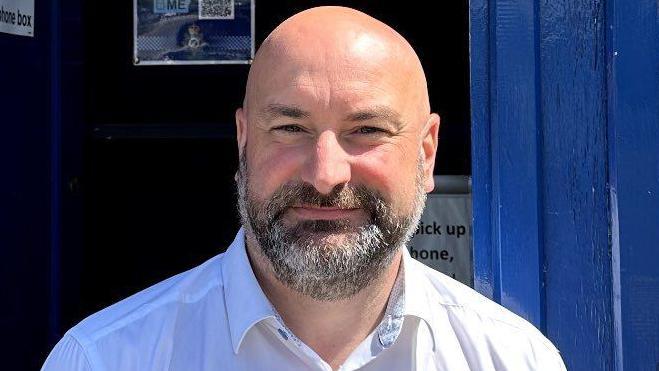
[328, 165]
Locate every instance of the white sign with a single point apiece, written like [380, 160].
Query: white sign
[17, 17]
[443, 238]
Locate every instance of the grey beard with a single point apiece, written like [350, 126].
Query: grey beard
[305, 259]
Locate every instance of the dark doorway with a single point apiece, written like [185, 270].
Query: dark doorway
[160, 154]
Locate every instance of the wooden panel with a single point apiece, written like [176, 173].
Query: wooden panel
[539, 134]
[634, 179]
[507, 249]
[575, 196]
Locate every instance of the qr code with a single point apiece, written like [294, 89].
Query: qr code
[216, 9]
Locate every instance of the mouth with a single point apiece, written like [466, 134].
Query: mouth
[310, 212]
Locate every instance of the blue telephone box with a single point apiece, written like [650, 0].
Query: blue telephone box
[564, 164]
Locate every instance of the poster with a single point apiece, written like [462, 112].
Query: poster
[17, 17]
[193, 32]
[443, 239]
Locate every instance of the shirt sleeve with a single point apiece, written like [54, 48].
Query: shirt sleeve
[67, 355]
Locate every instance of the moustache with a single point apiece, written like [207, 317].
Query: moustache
[344, 196]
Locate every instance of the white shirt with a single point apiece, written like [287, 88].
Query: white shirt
[216, 317]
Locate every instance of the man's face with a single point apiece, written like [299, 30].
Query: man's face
[334, 169]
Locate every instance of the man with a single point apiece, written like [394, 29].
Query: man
[337, 147]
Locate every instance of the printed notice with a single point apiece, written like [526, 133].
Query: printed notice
[193, 32]
[443, 238]
[17, 17]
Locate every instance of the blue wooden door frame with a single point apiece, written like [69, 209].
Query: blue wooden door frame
[30, 185]
[504, 160]
[634, 180]
[565, 151]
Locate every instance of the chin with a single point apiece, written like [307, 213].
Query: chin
[333, 238]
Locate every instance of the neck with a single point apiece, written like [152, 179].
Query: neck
[333, 329]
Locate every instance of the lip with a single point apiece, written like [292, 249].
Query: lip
[324, 213]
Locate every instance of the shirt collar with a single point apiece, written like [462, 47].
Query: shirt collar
[392, 322]
[418, 298]
[244, 299]
[247, 305]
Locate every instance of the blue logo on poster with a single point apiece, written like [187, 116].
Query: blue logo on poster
[171, 6]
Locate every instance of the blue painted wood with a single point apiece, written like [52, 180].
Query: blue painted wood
[479, 64]
[539, 137]
[505, 127]
[575, 202]
[634, 180]
[25, 194]
[55, 169]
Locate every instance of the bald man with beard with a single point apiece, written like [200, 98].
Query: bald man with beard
[336, 147]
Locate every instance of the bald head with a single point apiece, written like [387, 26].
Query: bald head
[332, 90]
[340, 43]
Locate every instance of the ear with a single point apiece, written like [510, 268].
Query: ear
[241, 133]
[429, 143]
[241, 129]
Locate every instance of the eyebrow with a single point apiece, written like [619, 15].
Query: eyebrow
[274, 110]
[377, 112]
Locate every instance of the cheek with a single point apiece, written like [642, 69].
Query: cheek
[390, 173]
[270, 168]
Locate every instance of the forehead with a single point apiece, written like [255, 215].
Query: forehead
[362, 72]
[350, 86]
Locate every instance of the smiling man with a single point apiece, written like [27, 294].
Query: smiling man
[337, 146]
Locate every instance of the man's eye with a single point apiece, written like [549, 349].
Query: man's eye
[369, 130]
[289, 128]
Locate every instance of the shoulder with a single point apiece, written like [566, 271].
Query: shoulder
[479, 321]
[139, 321]
[158, 300]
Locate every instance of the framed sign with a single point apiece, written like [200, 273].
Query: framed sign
[193, 32]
